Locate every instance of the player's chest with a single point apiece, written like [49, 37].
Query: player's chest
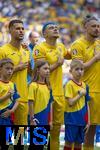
[4, 88]
[53, 54]
[17, 56]
[90, 51]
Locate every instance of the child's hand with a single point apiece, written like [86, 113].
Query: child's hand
[11, 91]
[34, 121]
[83, 92]
[51, 126]
[86, 129]
[6, 114]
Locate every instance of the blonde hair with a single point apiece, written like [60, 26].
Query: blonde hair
[75, 62]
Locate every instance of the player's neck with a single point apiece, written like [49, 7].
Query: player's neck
[3, 79]
[89, 38]
[51, 42]
[16, 44]
[41, 80]
[77, 81]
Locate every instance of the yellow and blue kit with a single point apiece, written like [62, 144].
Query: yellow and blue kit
[51, 54]
[9, 103]
[76, 116]
[42, 98]
[19, 78]
[85, 50]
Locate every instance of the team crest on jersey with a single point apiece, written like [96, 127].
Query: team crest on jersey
[74, 52]
[36, 52]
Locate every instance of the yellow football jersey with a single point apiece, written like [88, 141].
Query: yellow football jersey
[71, 90]
[85, 50]
[4, 88]
[20, 77]
[40, 94]
[51, 54]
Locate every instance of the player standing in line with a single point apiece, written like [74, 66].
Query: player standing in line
[54, 52]
[8, 92]
[76, 116]
[20, 58]
[87, 49]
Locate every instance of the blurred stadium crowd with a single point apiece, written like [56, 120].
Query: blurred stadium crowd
[34, 13]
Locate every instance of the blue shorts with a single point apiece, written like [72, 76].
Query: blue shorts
[74, 134]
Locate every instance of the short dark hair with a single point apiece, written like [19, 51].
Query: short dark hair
[88, 18]
[46, 24]
[12, 22]
[5, 61]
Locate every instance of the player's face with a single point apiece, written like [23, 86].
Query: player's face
[77, 71]
[93, 28]
[44, 71]
[7, 71]
[34, 40]
[52, 31]
[17, 31]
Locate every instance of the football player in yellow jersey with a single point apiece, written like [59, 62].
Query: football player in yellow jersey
[54, 52]
[8, 92]
[20, 58]
[87, 49]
